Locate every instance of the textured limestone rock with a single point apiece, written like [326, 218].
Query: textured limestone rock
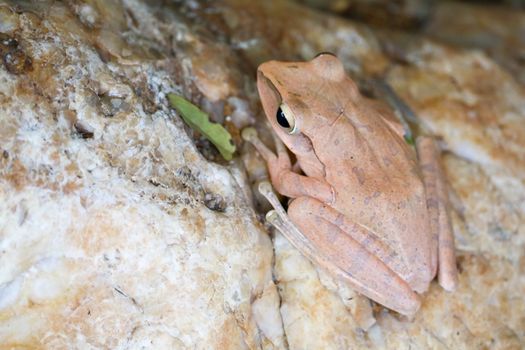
[117, 231]
[109, 235]
[283, 30]
[401, 13]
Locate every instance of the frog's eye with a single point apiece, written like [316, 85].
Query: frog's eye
[286, 119]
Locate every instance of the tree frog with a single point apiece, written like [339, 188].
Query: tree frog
[364, 205]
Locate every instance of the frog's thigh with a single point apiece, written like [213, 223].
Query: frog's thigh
[443, 251]
[344, 257]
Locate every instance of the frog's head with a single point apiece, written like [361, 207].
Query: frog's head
[301, 98]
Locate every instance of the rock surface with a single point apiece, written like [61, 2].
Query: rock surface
[121, 228]
[497, 30]
[108, 235]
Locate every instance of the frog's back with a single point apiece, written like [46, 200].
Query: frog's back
[378, 184]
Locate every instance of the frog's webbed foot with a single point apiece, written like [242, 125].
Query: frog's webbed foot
[444, 256]
[277, 163]
[285, 180]
[321, 240]
[282, 222]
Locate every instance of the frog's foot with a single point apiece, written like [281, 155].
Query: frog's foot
[444, 256]
[285, 180]
[320, 238]
[362, 310]
[277, 164]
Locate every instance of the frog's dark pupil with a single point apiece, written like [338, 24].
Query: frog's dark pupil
[281, 119]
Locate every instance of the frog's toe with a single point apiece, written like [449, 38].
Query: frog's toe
[249, 134]
[265, 188]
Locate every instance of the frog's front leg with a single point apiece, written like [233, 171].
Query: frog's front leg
[315, 230]
[443, 252]
[285, 180]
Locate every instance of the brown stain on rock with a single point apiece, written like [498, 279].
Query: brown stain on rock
[15, 59]
[16, 174]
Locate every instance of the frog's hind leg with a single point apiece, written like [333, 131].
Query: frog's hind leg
[443, 251]
[319, 238]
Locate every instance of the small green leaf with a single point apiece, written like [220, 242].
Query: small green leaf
[198, 120]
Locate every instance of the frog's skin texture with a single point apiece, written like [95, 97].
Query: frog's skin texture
[368, 209]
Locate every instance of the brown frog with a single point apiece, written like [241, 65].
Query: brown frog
[365, 206]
